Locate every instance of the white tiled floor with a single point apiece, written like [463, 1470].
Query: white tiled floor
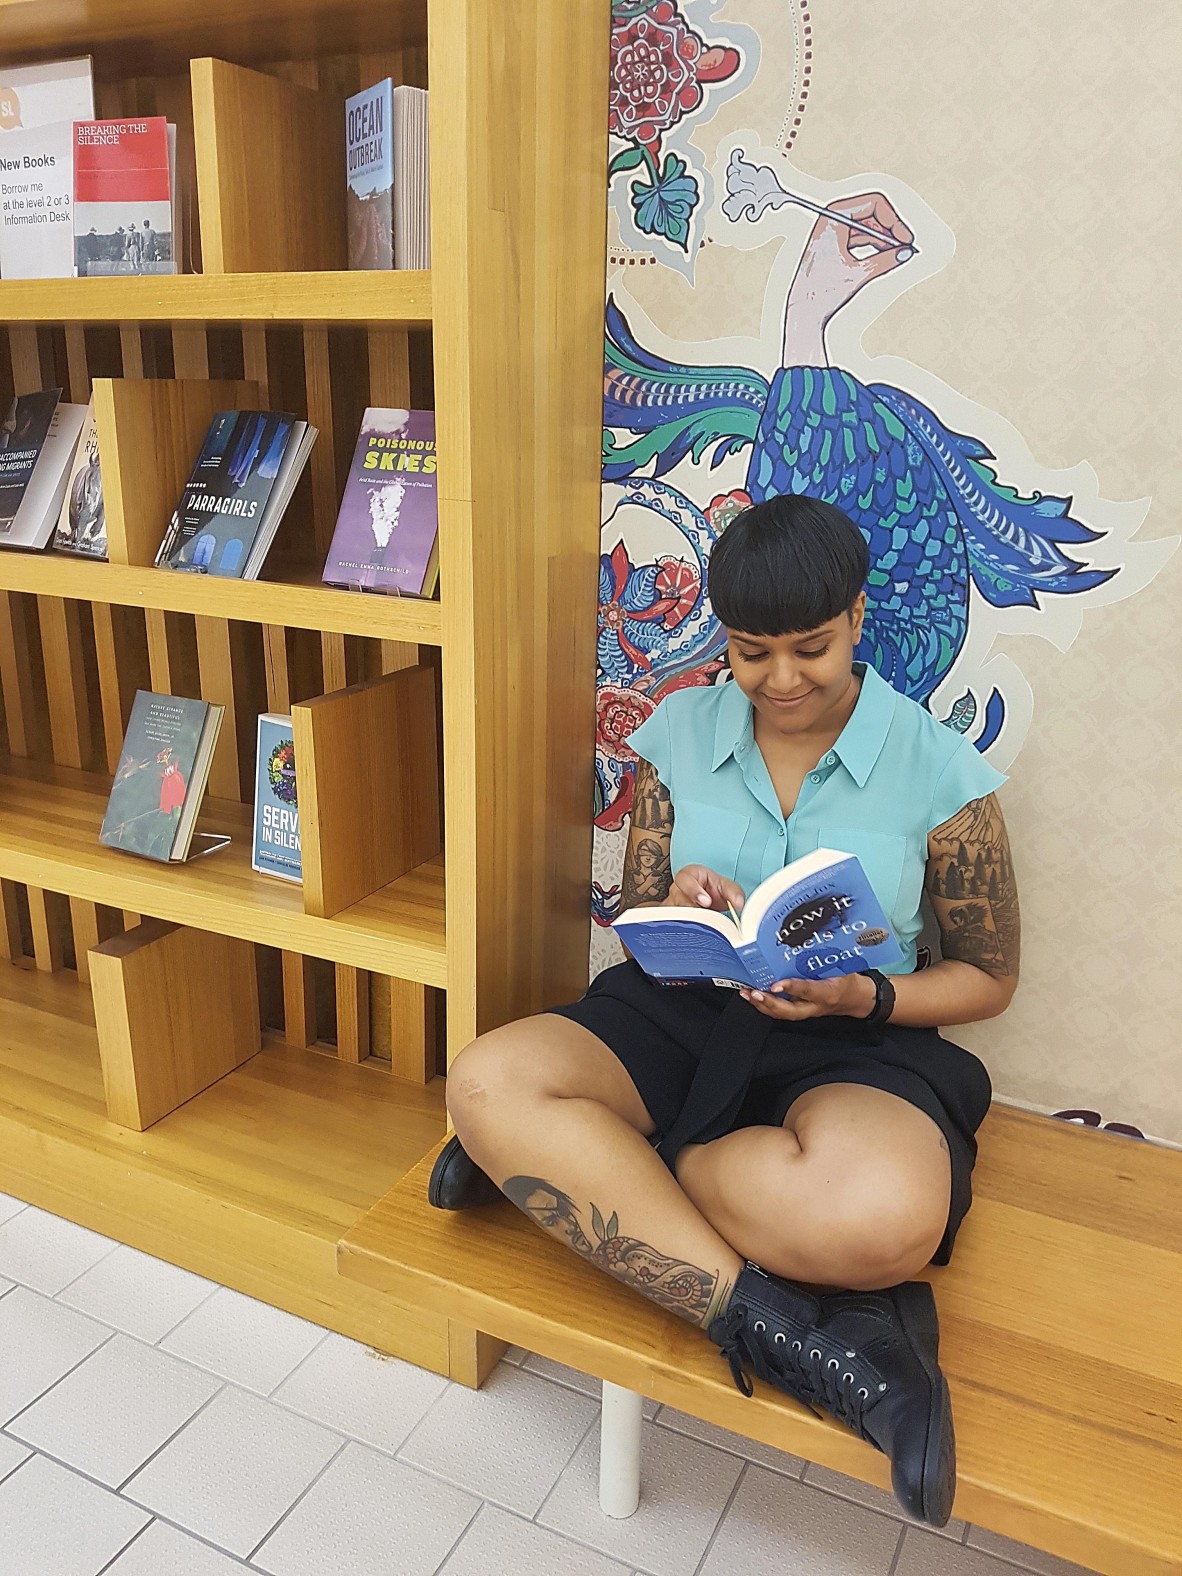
[154, 1425]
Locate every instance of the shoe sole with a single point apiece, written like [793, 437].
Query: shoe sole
[439, 1171]
[938, 1490]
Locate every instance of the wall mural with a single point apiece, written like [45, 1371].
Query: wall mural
[970, 538]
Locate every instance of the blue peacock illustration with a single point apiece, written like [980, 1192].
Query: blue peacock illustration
[939, 519]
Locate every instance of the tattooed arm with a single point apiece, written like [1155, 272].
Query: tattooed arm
[970, 881]
[648, 878]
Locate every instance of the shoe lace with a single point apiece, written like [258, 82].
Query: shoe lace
[810, 1376]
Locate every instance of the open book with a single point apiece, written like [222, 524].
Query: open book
[814, 919]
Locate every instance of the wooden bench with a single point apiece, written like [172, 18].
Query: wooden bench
[1061, 1320]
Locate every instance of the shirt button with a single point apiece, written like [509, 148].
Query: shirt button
[829, 760]
[780, 831]
[814, 777]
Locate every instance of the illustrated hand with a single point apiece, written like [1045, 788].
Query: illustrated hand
[829, 274]
[696, 886]
[851, 996]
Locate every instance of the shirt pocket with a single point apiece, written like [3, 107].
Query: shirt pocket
[707, 834]
[882, 855]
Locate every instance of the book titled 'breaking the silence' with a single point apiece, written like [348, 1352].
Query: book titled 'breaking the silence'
[124, 197]
[815, 919]
[161, 777]
[387, 532]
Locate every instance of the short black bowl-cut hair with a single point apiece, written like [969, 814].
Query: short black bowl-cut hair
[787, 565]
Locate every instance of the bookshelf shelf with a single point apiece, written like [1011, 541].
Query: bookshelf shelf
[297, 603]
[331, 298]
[254, 1179]
[49, 824]
[286, 1153]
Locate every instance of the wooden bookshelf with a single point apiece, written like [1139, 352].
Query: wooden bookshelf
[254, 1178]
[308, 299]
[297, 602]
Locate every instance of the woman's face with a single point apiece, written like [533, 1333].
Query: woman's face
[793, 681]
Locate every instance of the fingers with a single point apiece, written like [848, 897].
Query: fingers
[874, 209]
[705, 888]
[782, 1007]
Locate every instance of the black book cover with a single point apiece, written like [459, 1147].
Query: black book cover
[22, 437]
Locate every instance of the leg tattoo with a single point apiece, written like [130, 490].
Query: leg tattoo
[692, 1293]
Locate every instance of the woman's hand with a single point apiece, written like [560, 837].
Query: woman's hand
[851, 996]
[696, 886]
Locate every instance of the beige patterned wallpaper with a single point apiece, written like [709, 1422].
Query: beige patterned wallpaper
[1047, 138]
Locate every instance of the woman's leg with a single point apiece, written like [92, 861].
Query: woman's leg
[554, 1119]
[851, 1192]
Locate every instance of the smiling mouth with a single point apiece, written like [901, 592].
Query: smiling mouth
[787, 700]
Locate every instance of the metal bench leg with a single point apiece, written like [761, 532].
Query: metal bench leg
[619, 1451]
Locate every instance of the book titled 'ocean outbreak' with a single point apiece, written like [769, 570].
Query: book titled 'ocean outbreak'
[817, 918]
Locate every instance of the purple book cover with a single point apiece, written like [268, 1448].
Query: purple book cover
[385, 539]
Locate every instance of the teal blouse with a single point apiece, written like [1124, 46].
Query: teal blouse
[893, 775]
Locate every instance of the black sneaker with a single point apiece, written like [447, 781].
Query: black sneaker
[866, 1358]
[457, 1182]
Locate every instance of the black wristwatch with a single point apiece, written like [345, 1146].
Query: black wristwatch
[884, 997]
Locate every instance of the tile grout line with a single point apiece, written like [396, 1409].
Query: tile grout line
[119, 1553]
[148, 1459]
[562, 1470]
[463, 1533]
[8, 1422]
[308, 1355]
[730, 1499]
[102, 1258]
[898, 1554]
[300, 1497]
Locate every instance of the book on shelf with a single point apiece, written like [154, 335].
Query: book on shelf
[387, 531]
[57, 90]
[386, 163]
[161, 778]
[82, 523]
[236, 493]
[276, 850]
[37, 442]
[817, 918]
[125, 218]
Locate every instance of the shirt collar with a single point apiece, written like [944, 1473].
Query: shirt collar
[858, 747]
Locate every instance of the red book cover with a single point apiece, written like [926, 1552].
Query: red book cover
[122, 197]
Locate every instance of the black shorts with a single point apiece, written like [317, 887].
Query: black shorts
[706, 1062]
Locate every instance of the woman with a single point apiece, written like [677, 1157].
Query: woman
[775, 1166]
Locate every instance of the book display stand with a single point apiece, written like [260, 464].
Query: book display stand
[224, 1069]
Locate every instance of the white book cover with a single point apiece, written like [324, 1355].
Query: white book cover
[40, 95]
[36, 519]
[36, 202]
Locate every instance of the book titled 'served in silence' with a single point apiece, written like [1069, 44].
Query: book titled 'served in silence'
[387, 532]
[161, 777]
[82, 524]
[817, 918]
[124, 197]
[276, 810]
[236, 493]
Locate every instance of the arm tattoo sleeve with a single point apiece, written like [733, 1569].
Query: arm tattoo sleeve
[970, 880]
[647, 873]
[694, 1293]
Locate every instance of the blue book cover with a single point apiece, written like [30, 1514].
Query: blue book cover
[369, 167]
[817, 918]
[276, 812]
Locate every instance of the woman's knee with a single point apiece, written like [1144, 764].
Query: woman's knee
[498, 1069]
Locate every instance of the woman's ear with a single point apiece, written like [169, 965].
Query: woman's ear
[857, 616]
